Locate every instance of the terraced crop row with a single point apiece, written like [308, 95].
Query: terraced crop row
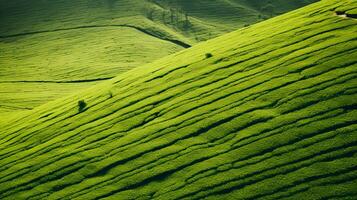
[270, 115]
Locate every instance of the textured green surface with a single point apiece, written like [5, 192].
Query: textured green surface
[43, 42]
[271, 115]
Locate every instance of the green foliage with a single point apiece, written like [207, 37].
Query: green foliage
[81, 105]
[272, 115]
[269, 8]
[208, 55]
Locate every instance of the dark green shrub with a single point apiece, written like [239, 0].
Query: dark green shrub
[81, 105]
[339, 12]
[209, 55]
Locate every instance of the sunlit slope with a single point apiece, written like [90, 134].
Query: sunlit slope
[37, 72]
[47, 45]
[267, 112]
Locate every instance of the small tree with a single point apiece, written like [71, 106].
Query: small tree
[81, 105]
[209, 55]
[149, 13]
[186, 24]
[172, 15]
[164, 17]
[269, 8]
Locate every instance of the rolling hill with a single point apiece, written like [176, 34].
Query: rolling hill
[265, 112]
[53, 48]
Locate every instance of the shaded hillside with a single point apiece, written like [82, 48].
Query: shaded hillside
[231, 13]
[203, 15]
[45, 45]
[266, 112]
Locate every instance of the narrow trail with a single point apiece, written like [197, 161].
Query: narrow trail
[177, 42]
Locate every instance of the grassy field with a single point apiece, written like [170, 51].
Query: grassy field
[265, 112]
[34, 73]
[45, 43]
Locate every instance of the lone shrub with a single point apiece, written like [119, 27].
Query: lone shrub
[81, 105]
[339, 12]
[209, 55]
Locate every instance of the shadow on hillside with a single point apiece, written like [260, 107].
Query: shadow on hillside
[344, 14]
[110, 4]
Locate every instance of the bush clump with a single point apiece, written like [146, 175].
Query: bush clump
[209, 55]
[81, 105]
[340, 12]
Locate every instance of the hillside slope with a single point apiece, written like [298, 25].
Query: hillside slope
[53, 48]
[266, 112]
